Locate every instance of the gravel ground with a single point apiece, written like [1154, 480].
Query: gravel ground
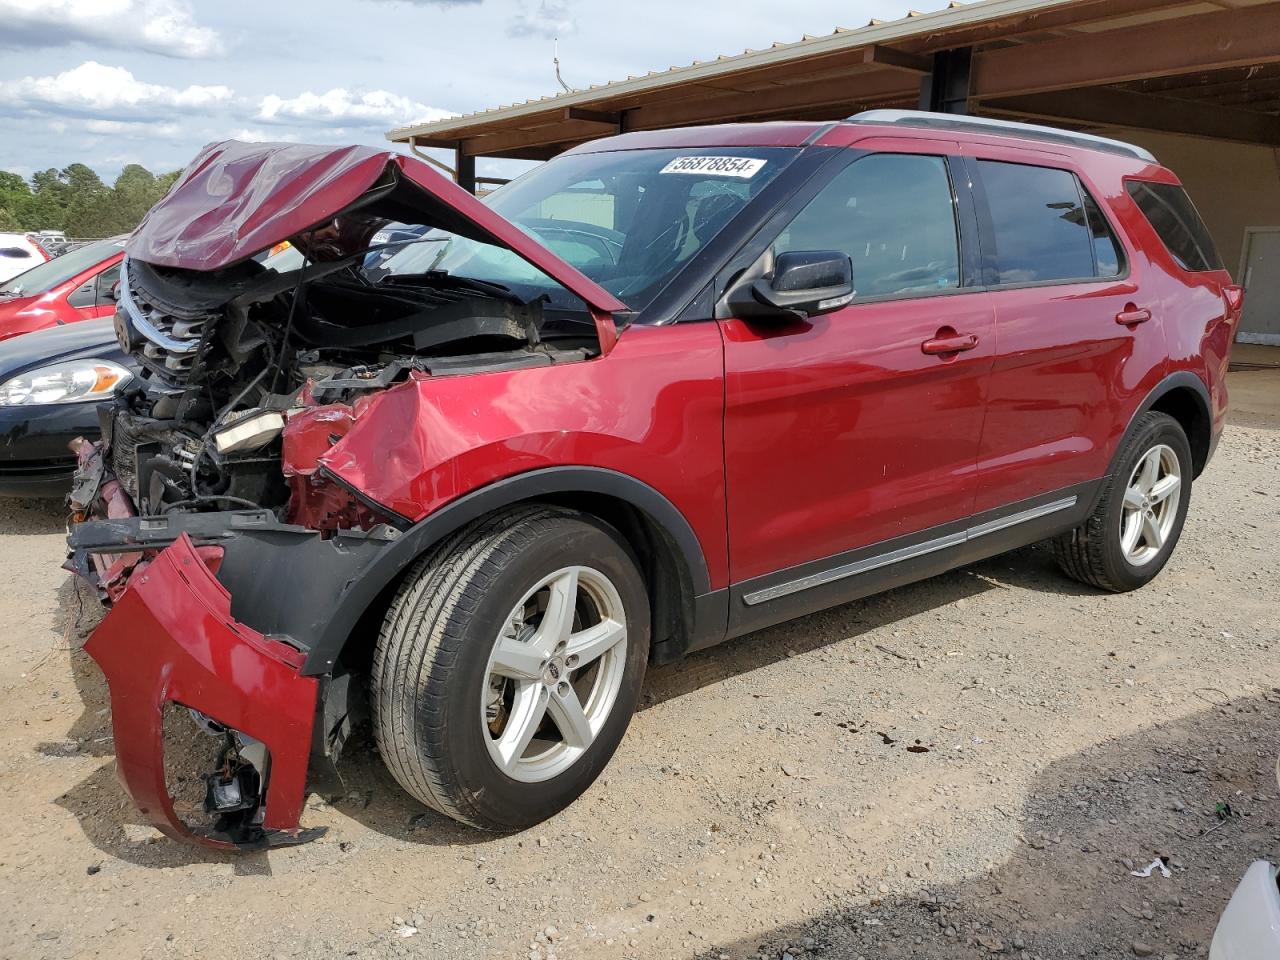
[966, 767]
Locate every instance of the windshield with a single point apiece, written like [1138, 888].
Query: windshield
[45, 276]
[627, 219]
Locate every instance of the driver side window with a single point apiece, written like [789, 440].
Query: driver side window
[893, 215]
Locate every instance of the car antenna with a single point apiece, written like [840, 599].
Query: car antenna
[555, 58]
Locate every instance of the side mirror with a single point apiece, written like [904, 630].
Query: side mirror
[800, 284]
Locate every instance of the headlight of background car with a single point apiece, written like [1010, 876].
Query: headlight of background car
[71, 382]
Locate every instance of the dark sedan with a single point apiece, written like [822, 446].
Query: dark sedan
[50, 384]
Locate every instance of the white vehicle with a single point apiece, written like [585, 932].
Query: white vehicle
[18, 254]
[1250, 926]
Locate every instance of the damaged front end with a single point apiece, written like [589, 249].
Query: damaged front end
[207, 516]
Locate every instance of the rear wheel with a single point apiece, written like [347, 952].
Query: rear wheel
[1132, 532]
[509, 665]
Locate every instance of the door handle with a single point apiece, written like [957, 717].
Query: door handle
[1131, 316]
[951, 343]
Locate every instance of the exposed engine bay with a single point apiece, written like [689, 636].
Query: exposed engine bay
[233, 359]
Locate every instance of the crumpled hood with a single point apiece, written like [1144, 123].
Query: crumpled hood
[237, 199]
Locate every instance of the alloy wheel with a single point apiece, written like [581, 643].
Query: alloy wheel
[1151, 503]
[554, 674]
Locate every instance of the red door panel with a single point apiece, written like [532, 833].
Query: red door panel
[1064, 371]
[842, 431]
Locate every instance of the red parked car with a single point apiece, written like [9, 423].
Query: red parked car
[663, 390]
[79, 285]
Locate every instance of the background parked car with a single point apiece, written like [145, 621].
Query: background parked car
[79, 285]
[50, 381]
[53, 242]
[18, 254]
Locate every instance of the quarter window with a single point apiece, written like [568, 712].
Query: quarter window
[893, 214]
[1175, 219]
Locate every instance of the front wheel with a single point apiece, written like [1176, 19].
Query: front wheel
[509, 665]
[1132, 531]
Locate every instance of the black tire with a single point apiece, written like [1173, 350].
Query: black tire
[1091, 553]
[429, 666]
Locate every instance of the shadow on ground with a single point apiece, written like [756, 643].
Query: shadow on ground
[1066, 890]
[26, 518]
[1031, 568]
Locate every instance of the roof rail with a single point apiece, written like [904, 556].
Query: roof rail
[1008, 128]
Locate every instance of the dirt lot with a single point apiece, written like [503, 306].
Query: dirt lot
[967, 767]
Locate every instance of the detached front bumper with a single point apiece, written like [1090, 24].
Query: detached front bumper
[170, 638]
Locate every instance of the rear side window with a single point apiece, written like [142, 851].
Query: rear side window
[1045, 226]
[1171, 213]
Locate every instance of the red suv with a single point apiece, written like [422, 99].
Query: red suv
[665, 389]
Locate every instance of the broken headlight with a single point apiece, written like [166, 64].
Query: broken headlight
[72, 381]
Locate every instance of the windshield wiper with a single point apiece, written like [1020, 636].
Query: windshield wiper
[439, 278]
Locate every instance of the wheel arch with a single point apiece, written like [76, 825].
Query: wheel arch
[1183, 396]
[671, 557]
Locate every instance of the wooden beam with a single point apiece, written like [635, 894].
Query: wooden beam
[1207, 41]
[800, 99]
[1210, 84]
[1067, 16]
[594, 116]
[1123, 108]
[882, 56]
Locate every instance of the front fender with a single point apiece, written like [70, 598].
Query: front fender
[389, 563]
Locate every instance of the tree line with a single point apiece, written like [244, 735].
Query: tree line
[77, 202]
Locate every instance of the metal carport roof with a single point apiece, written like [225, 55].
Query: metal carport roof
[1207, 67]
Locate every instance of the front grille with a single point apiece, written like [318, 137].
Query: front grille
[165, 339]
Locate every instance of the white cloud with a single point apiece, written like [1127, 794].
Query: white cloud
[132, 128]
[103, 92]
[545, 18]
[166, 27]
[373, 108]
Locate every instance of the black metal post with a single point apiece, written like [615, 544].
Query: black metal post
[464, 169]
[946, 89]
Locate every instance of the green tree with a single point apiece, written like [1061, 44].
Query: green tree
[76, 200]
[15, 197]
[47, 209]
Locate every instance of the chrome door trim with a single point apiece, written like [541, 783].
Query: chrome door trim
[901, 554]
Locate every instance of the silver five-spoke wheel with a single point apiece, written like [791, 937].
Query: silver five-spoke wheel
[554, 674]
[1151, 500]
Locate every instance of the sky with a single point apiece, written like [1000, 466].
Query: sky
[112, 82]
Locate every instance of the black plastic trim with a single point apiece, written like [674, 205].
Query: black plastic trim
[1174, 381]
[747, 612]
